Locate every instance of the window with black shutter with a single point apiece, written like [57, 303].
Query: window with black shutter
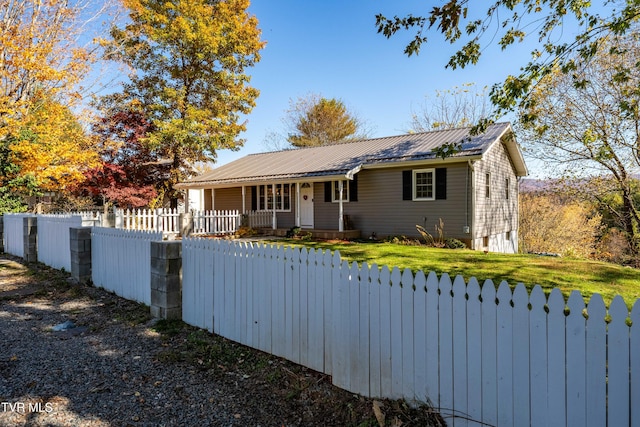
[424, 184]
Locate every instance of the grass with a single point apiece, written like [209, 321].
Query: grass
[587, 276]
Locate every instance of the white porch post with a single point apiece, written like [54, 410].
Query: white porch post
[297, 204]
[244, 193]
[213, 199]
[340, 210]
[186, 201]
[273, 205]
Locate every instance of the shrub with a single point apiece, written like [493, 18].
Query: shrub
[293, 232]
[454, 244]
[246, 232]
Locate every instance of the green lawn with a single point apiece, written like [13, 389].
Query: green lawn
[586, 276]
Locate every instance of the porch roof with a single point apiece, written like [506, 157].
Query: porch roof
[316, 163]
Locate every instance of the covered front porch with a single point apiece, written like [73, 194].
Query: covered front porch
[318, 207]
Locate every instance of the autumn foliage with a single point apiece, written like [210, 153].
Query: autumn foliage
[129, 172]
[189, 60]
[320, 121]
[549, 223]
[45, 147]
[39, 57]
[52, 147]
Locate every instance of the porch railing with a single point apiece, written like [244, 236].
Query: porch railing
[165, 220]
[216, 222]
[260, 219]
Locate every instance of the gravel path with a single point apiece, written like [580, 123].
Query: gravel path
[115, 369]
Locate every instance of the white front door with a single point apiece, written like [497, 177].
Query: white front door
[306, 205]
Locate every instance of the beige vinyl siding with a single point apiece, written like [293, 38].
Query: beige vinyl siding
[228, 199]
[496, 215]
[380, 207]
[325, 214]
[207, 199]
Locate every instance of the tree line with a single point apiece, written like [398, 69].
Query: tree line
[188, 89]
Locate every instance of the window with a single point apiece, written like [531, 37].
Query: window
[487, 185]
[423, 184]
[507, 236]
[506, 188]
[282, 197]
[349, 190]
[335, 196]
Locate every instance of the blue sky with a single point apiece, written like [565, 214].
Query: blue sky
[332, 48]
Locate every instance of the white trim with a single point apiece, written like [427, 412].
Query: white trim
[349, 175]
[340, 204]
[298, 184]
[274, 224]
[271, 188]
[487, 185]
[340, 189]
[309, 203]
[414, 183]
[507, 188]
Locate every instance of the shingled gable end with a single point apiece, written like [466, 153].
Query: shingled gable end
[382, 187]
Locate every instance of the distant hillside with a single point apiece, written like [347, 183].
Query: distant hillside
[530, 185]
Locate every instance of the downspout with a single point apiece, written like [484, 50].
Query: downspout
[340, 209]
[349, 175]
[244, 195]
[186, 200]
[518, 181]
[298, 204]
[471, 218]
[274, 221]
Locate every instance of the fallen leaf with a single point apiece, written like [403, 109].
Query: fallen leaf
[377, 410]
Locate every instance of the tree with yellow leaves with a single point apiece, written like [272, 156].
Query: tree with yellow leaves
[39, 55]
[551, 223]
[189, 60]
[41, 67]
[52, 147]
[587, 125]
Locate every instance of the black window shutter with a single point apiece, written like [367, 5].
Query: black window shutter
[327, 191]
[254, 198]
[407, 185]
[441, 183]
[353, 189]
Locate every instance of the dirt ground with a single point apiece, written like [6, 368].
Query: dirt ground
[119, 367]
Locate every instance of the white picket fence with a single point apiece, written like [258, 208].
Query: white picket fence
[215, 222]
[13, 233]
[165, 220]
[120, 261]
[54, 247]
[260, 219]
[501, 358]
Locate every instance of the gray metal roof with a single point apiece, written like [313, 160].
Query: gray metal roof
[338, 159]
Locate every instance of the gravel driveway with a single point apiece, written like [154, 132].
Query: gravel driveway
[118, 367]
